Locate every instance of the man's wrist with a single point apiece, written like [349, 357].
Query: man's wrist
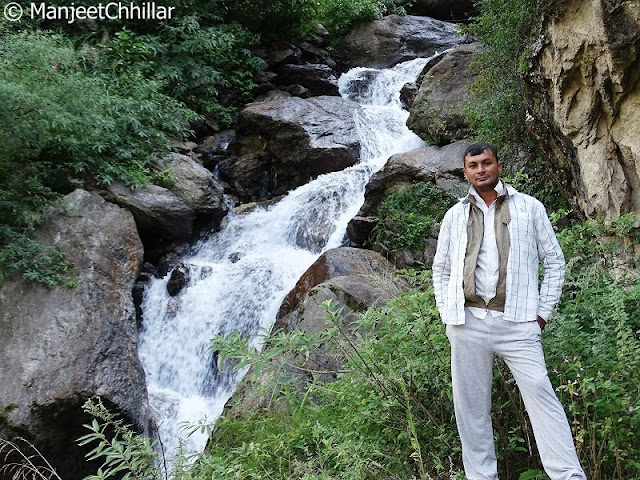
[542, 322]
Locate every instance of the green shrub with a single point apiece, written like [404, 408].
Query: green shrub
[339, 16]
[389, 415]
[497, 110]
[62, 128]
[391, 409]
[405, 216]
[593, 347]
[208, 68]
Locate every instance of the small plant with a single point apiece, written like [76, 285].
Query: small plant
[126, 454]
[20, 465]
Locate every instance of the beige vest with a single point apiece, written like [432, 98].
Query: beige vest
[475, 232]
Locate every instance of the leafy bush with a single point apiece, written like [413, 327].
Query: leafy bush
[391, 410]
[593, 348]
[497, 112]
[63, 128]
[405, 216]
[389, 415]
[339, 16]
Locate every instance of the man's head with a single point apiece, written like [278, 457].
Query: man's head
[481, 166]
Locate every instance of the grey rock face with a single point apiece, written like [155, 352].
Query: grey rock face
[161, 216]
[317, 79]
[393, 39]
[196, 187]
[437, 113]
[339, 262]
[583, 95]
[293, 140]
[62, 346]
[169, 214]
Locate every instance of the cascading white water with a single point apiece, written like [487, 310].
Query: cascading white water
[239, 276]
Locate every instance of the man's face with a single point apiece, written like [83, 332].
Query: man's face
[483, 171]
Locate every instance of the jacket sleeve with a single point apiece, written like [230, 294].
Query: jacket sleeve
[442, 265]
[550, 254]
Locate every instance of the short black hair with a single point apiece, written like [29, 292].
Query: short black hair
[478, 148]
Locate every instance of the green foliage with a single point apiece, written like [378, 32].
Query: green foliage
[535, 180]
[389, 414]
[390, 409]
[39, 264]
[593, 346]
[497, 111]
[405, 216]
[62, 128]
[339, 16]
[200, 65]
[273, 19]
[126, 455]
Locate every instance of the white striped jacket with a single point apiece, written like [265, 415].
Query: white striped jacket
[532, 241]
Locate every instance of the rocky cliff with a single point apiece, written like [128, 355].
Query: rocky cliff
[583, 94]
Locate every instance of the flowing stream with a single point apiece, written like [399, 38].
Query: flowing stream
[239, 276]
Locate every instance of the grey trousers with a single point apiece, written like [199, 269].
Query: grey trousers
[473, 348]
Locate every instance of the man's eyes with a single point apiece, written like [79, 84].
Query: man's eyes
[475, 165]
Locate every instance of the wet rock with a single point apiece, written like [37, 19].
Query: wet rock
[216, 144]
[314, 54]
[160, 215]
[583, 95]
[438, 111]
[282, 53]
[338, 262]
[178, 280]
[249, 175]
[393, 39]
[196, 187]
[408, 94]
[293, 140]
[316, 79]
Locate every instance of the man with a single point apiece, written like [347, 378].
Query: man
[485, 276]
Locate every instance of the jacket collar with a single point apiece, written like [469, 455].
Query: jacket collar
[502, 188]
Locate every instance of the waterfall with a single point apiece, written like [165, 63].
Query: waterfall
[238, 277]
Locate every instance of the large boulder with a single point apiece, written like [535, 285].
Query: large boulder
[63, 345]
[437, 112]
[196, 187]
[338, 262]
[583, 94]
[286, 141]
[191, 199]
[393, 39]
[352, 280]
[441, 166]
[315, 79]
[161, 216]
